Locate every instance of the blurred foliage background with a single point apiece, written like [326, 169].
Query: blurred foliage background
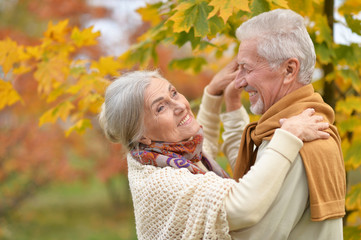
[59, 176]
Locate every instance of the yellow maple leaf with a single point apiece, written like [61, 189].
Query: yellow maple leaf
[178, 17]
[227, 7]
[57, 32]
[50, 72]
[107, 65]
[85, 37]
[8, 54]
[8, 96]
[62, 111]
[34, 51]
[91, 102]
[80, 126]
[279, 3]
[150, 14]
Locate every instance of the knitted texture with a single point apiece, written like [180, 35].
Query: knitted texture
[176, 204]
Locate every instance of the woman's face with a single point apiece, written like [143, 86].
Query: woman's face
[168, 116]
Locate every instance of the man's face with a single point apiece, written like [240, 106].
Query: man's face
[256, 76]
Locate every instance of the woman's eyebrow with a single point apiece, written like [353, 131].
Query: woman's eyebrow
[161, 98]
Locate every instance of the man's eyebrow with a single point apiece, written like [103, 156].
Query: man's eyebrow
[160, 98]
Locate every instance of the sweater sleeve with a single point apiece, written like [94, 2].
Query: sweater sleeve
[209, 118]
[234, 123]
[248, 200]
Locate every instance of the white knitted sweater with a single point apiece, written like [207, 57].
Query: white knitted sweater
[161, 194]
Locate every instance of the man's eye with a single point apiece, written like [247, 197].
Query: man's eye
[174, 93]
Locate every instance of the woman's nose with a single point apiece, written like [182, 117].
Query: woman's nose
[179, 107]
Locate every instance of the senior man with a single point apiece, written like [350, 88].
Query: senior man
[276, 62]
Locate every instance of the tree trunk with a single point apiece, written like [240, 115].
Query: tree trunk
[329, 87]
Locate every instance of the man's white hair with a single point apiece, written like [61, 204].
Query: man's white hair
[281, 34]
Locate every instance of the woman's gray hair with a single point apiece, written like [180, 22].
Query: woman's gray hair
[281, 34]
[122, 113]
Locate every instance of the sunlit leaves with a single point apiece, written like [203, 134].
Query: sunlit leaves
[324, 32]
[61, 111]
[352, 154]
[150, 13]
[353, 201]
[57, 32]
[51, 73]
[353, 24]
[8, 96]
[8, 54]
[259, 6]
[194, 63]
[350, 6]
[349, 105]
[85, 37]
[323, 52]
[80, 127]
[280, 3]
[227, 7]
[191, 14]
[352, 232]
[107, 66]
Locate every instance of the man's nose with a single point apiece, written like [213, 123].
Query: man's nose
[240, 81]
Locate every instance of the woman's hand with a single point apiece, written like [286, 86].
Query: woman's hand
[306, 126]
[223, 78]
[232, 97]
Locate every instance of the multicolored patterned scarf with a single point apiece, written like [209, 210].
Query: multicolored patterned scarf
[178, 155]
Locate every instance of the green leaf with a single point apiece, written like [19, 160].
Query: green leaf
[350, 75]
[352, 232]
[324, 31]
[194, 63]
[353, 198]
[182, 37]
[348, 55]
[350, 104]
[352, 156]
[323, 53]
[191, 14]
[349, 124]
[216, 25]
[259, 6]
[353, 24]
[201, 26]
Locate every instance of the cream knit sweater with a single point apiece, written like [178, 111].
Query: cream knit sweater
[176, 204]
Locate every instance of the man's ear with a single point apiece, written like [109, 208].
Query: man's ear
[292, 67]
[145, 140]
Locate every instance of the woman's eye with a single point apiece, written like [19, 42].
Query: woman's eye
[174, 93]
[160, 108]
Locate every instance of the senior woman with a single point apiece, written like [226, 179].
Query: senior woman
[178, 190]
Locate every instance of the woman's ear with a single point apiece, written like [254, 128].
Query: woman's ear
[292, 67]
[145, 140]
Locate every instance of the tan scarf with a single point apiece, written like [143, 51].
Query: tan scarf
[322, 159]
